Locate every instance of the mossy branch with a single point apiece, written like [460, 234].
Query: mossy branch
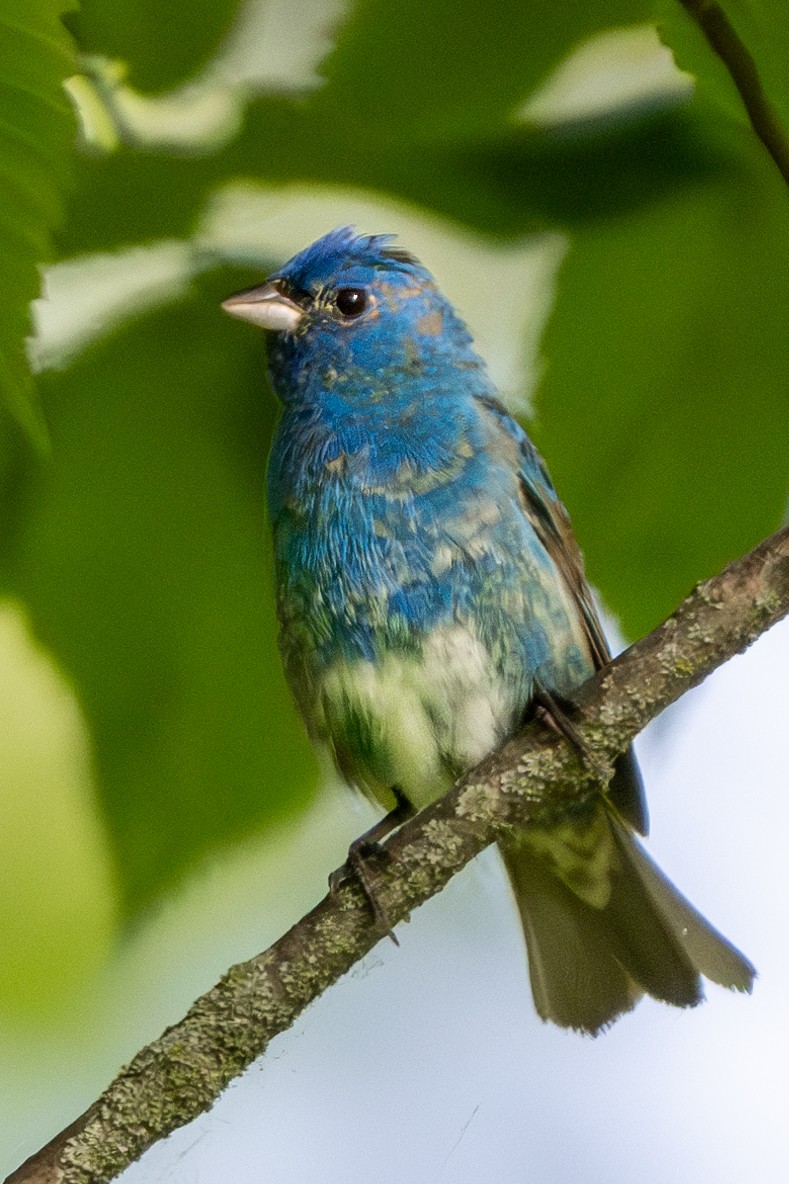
[535, 776]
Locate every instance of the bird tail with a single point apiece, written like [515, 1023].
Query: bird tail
[603, 925]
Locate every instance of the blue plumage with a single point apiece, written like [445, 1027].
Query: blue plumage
[427, 580]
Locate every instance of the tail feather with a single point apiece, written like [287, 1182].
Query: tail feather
[576, 979]
[626, 792]
[711, 953]
[588, 964]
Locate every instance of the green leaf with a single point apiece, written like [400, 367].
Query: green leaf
[56, 883]
[482, 166]
[664, 413]
[143, 559]
[163, 43]
[36, 133]
[763, 32]
[417, 68]
[693, 54]
[525, 179]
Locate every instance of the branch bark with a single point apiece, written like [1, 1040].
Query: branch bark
[536, 776]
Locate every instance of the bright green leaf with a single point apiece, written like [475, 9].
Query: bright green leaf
[57, 899]
[36, 133]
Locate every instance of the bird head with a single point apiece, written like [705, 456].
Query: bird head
[358, 311]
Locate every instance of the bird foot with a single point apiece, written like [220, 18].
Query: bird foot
[552, 712]
[366, 850]
[361, 854]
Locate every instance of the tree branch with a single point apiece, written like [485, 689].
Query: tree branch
[723, 40]
[535, 777]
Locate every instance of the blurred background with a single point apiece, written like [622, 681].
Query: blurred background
[586, 188]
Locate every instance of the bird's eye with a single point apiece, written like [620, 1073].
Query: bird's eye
[351, 302]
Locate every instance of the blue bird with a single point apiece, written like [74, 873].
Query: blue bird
[429, 589]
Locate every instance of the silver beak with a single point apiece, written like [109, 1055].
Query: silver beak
[265, 306]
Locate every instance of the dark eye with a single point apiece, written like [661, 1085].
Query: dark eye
[351, 302]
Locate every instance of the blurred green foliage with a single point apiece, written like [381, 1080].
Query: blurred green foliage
[763, 32]
[676, 387]
[36, 133]
[143, 549]
[439, 73]
[138, 547]
[163, 44]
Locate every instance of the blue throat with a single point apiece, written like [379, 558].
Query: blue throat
[373, 412]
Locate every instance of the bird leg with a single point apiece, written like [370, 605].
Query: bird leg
[367, 848]
[553, 714]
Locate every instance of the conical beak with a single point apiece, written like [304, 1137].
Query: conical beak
[265, 306]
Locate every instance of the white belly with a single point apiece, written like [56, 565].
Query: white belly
[416, 721]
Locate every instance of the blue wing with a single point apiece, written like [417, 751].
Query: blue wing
[551, 524]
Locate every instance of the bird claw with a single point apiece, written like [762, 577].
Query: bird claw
[360, 854]
[552, 713]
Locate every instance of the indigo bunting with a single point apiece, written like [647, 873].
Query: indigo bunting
[429, 587]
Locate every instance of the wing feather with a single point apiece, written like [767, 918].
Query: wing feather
[551, 523]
